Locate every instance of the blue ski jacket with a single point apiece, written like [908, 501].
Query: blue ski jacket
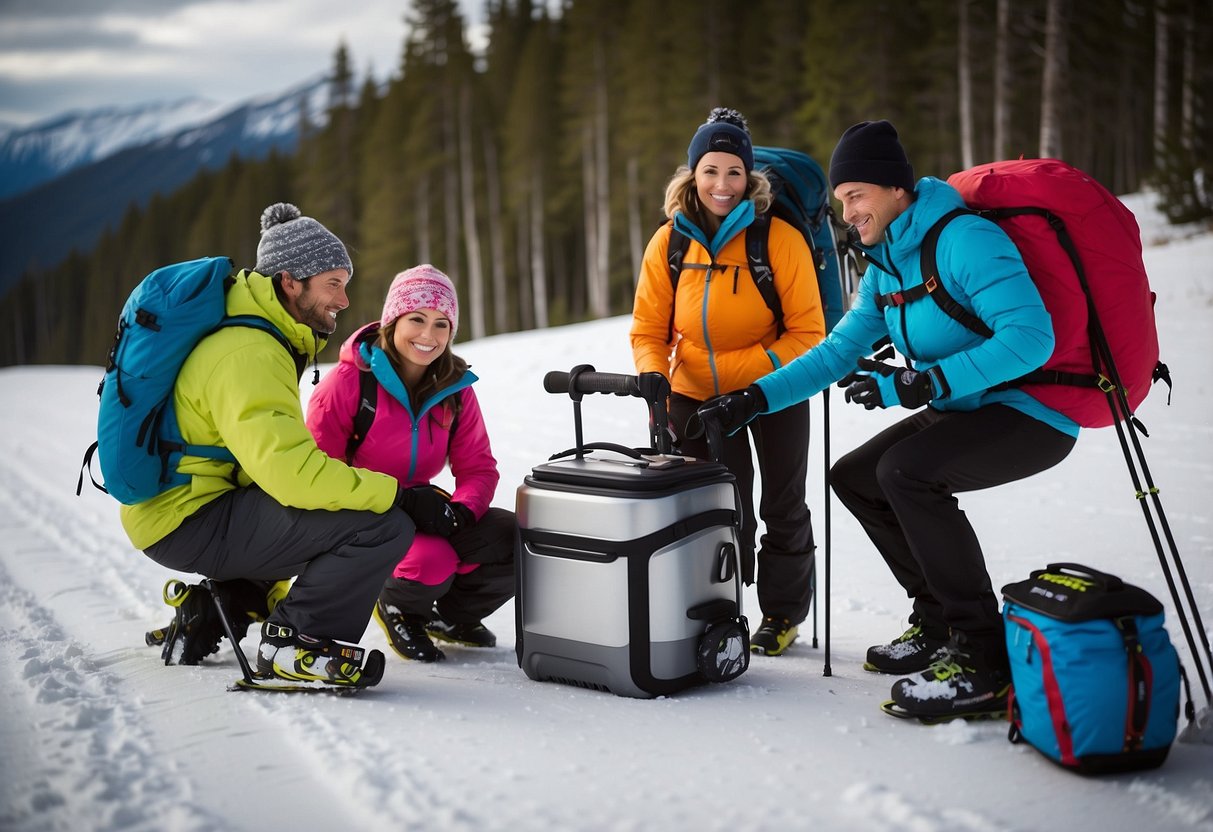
[982, 269]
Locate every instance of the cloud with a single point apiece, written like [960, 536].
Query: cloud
[18, 9]
[56, 54]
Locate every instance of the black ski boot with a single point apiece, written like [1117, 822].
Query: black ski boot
[195, 630]
[910, 652]
[773, 637]
[969, 681]
[406, 634]
[469, 635]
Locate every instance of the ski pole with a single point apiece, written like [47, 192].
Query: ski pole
[245, 668]
[825, 409]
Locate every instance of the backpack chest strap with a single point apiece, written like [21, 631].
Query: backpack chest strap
[904, 296]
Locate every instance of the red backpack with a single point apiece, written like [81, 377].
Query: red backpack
[1082, 248]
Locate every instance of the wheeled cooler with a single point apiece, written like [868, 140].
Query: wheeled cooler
[628, 577]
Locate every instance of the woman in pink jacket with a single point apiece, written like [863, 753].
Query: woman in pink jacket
[401, 370]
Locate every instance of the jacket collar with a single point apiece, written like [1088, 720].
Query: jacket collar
[253, 294]
[385, 373]
[932, 199]
[736, 222]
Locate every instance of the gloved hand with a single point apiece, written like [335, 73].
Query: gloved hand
[655, 379]
[465, 518]
[431, 509]
[655, 390]
[732, 411]
[885, 385]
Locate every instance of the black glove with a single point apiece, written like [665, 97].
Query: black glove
[885, 385]
[464, 517]
[430, 507]
[654, 379]
[880, 355]
[732, 411]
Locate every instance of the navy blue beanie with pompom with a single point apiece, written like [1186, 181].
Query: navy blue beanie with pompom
[725, 131]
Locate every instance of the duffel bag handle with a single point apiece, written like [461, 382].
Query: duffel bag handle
[1109, 582]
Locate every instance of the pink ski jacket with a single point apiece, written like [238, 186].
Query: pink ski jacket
[413, 448]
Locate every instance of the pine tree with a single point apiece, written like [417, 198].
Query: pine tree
[328, 182]
[528, 168]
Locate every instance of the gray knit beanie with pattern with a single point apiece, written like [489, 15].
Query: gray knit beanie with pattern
[291, 242]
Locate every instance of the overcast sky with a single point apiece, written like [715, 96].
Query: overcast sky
[60, 55]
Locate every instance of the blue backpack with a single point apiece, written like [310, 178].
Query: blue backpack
[801, 199]
[139, 444]
[1095, 677]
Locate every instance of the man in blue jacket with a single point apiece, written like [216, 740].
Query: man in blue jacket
[965, 433]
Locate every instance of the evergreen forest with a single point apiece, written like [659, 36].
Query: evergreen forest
[532, 170]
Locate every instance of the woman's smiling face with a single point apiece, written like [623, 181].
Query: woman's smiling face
[420, 337]
[720, 182]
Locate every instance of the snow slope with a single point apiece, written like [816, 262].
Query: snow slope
[99, 735]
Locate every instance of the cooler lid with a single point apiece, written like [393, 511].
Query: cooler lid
[650, 473]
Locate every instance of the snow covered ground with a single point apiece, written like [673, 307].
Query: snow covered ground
[98, 734]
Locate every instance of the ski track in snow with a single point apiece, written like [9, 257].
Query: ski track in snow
[1194, 813]
[95, 767]
[99, 767]
[140, 786]
[875, 807]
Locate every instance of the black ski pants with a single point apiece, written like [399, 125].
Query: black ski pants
[340, 558]
[781, 443]
[472, 596]
[901, 486]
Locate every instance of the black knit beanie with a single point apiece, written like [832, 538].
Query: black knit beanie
[871, 152]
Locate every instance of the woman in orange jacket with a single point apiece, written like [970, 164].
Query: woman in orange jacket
[712, 332]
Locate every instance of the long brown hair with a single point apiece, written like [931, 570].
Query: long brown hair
[445, 370]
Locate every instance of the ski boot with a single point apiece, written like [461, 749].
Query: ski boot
[910, 652]
[773, 637]
[407, 634]
[246, 602]
[288, 655]
[469, 635]
[195, 630]
[963, 684]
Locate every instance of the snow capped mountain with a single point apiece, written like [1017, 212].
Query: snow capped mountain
[30, 156]
[63, 181]
[35, 154]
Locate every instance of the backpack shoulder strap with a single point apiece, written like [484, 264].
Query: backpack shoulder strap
[364, 417]
[170, 444]
[757, 245]
[255, 322]
[932, 286]
[368, 398]
[450, 436]
[675, 253]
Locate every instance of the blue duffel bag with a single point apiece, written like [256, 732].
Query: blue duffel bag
[1095, 677]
